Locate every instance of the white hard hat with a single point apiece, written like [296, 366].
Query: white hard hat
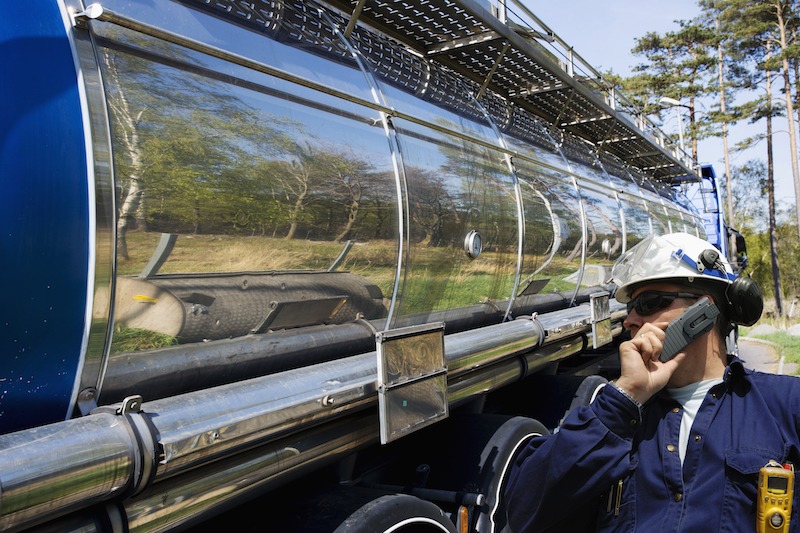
[679, 256]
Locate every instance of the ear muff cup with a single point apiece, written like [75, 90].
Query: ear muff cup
[746, 301]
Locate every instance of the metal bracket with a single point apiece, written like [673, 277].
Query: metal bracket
[497, 62]
[161, 253]
[80, 19]
[354, 18]
[601, 319]
[131, 404]
[412, 379]
[143, 439]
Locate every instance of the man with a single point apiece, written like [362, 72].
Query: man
[668, 446]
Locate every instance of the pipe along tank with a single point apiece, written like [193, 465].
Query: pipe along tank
[328, 264]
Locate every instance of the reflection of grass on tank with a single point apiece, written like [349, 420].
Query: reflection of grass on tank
[203, 271]
[135, 339]
[214, 287]
[232, 253]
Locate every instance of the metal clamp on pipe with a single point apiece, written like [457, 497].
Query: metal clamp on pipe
[541, 333]
[143, 438]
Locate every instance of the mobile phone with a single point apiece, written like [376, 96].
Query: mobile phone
[695, 321]
[775, 493]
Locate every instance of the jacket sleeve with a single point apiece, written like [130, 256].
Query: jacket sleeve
[556, 474]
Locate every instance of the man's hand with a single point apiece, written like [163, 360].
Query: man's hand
[643, 374]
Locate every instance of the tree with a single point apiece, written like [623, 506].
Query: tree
[765, 109]
[731, 75]
[783, 11]
[770, 22]
[676, 67]
[753, 28]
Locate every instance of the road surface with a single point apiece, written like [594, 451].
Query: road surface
[764, 356]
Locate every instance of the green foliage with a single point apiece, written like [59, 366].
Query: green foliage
[788, 258]
[750, 196]
[133, 339]
[675, 66]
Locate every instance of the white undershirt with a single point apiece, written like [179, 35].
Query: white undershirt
[690, 397]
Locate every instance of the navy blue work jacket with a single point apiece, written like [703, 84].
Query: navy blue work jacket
[611, 468]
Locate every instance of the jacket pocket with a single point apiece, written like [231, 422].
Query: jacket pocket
[741, 487]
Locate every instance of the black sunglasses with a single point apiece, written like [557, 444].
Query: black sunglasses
[649, 302]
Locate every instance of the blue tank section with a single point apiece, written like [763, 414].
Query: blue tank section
[44, 216]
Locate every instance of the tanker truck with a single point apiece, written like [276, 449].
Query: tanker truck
[297, 265]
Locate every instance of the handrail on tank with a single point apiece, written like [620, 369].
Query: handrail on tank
[588, 75]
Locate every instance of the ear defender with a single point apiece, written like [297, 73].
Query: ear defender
[745, 301]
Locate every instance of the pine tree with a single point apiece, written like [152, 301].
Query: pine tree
[677, 65]
[752, 26]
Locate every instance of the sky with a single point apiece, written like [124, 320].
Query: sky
[603, 33]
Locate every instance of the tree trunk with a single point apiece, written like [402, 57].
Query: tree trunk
[796, 68]
[354, 191]
[351, 219]
[141, 213]
[723, 110]
[693, 127]
[790, 115]
[298, 207]
[773, 232]
[131, 205]
[302, 177]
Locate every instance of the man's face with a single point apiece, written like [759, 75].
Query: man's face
[658, 302]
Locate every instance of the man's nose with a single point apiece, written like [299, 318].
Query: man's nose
[632, 320]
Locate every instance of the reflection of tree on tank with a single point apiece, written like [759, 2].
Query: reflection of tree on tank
[431, 207]
[163, 151]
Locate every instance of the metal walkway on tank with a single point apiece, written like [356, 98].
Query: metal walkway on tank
[506, 49]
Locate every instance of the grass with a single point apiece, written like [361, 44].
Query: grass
[131, 339]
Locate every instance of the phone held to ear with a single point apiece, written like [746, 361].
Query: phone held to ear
[695, 321]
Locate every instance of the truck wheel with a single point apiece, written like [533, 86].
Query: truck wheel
[496, 460]
[399, 513]
[586, 392]
[548, 398]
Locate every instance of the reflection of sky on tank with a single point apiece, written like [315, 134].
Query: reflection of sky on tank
[248, 44]
[410, 105]
[256, 47]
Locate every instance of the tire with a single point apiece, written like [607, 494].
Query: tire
[397, 513]
[585, 393]
[548, 398]
[496, 460]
